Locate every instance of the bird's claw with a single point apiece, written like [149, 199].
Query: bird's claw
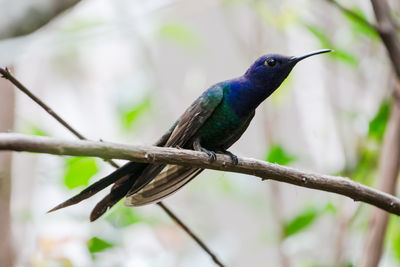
[211, 154]
[234, 158]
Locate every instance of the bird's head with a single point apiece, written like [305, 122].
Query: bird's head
[269, 71]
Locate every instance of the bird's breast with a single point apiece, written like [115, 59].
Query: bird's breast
[219, 128]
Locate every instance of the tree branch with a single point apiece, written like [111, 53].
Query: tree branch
[34, 16]
[5, 73]
[387, 178]
[151, 154]
[390, 155]
[388, 33]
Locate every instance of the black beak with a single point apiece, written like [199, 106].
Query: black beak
[297, 59]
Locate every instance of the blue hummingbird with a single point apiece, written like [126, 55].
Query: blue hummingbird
[212, 123]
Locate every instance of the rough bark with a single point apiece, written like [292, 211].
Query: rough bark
[151, 154]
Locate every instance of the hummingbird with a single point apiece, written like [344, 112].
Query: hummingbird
[211, 124]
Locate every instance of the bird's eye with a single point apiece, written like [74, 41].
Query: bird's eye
[270, 62]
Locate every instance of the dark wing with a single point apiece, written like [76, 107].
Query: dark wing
[167, 182]
[174, 177]
[188, 124]
[195, 116]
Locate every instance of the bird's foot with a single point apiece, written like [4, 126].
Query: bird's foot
[197, 146]
[234, 158]
[210, 153]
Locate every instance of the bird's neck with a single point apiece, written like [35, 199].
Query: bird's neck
[246, 94]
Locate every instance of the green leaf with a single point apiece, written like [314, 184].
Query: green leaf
[96, 244]
[339, 54]
[35, 130]
[78, 171]
[301, 221]
[394, 236]
[330, 208]
[377, 125]
[130, 115]
[278, 155]
[122, 216]
[320, 35]
[180, 34]
[345, 57]
[358, 26]
[366, 168]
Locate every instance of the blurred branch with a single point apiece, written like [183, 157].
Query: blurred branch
[35, 17]
[189, 232]
[390, 155]
[388, 33]
[7, 105]
[387, 178]
[7, 75]
[152, 154]
[386, 28]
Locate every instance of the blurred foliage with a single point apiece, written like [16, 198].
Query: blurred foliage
[78, 171]
[305, 219]
[35, 130]
[81, 23]
[393, 236]
[278, 155]
[365, 170]
[181, 34]
[325, 42]
[377, 125]
[130, 114]
[359, 28]
[225, 184]
[281, 19]
[96, 245]
[122, 216]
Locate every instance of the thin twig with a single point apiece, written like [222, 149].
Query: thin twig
[354, 15]
[7, 75]
[189, 232]
[167, 155]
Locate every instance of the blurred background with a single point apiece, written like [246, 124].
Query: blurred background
[124, 70]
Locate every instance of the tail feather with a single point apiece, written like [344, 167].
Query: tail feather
[130, 167]
[118, 191]
[167, 182]
[134, 181]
